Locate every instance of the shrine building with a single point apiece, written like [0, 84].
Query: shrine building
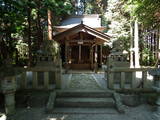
[81, 39]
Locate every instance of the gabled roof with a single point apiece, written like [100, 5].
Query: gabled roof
[82, 28]
[92, 20]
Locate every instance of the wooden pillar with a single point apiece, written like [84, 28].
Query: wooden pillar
[79, 59]
[96, 57]
[91, 56]
[100, 55]
[66, 52]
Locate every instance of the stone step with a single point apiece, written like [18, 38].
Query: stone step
[84, 94]
[84, 111]
[85, 102]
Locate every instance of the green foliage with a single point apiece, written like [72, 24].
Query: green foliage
[147, 57]
[14, 24]
[147, 11]
[119, 27]
[50, 47]
[22, 49]
[96, 6]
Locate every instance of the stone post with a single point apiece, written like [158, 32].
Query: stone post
[46, 80]
[110, 80]
[136, 44]
[58, 78]
[122, 82]
[131, 45]
[35, 80]
[23, 80]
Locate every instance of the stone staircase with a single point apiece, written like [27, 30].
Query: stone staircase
[89, 101]
[85, 99]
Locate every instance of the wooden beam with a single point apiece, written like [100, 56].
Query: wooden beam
[92, 41]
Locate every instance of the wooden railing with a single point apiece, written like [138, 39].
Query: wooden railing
[129, 78]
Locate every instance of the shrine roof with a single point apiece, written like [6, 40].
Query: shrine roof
[82, 28]
[92, 20]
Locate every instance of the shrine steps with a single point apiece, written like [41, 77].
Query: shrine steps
[84, 93]
[84, 99]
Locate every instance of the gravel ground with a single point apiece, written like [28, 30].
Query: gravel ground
[142, 112]
[100, 79]
[83, 81]
[65, 80]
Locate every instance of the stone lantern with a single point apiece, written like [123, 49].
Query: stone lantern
[46, 54]
[118, 56]
[8, 87]
[48, 58]
[156, 87]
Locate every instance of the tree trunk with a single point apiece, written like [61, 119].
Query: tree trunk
[49, 25]
[158, 49]
[29, 37]
[39, 28]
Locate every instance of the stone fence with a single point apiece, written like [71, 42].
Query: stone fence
[39, 78]
[129, 79]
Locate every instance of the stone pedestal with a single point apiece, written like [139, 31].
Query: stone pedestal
[10, 103]
[8, 85]
[156, 115]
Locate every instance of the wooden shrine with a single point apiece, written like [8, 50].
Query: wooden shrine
[81, 46]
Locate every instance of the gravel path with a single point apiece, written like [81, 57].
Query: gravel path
[84, 82]
[142, 112]
[100, 79]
